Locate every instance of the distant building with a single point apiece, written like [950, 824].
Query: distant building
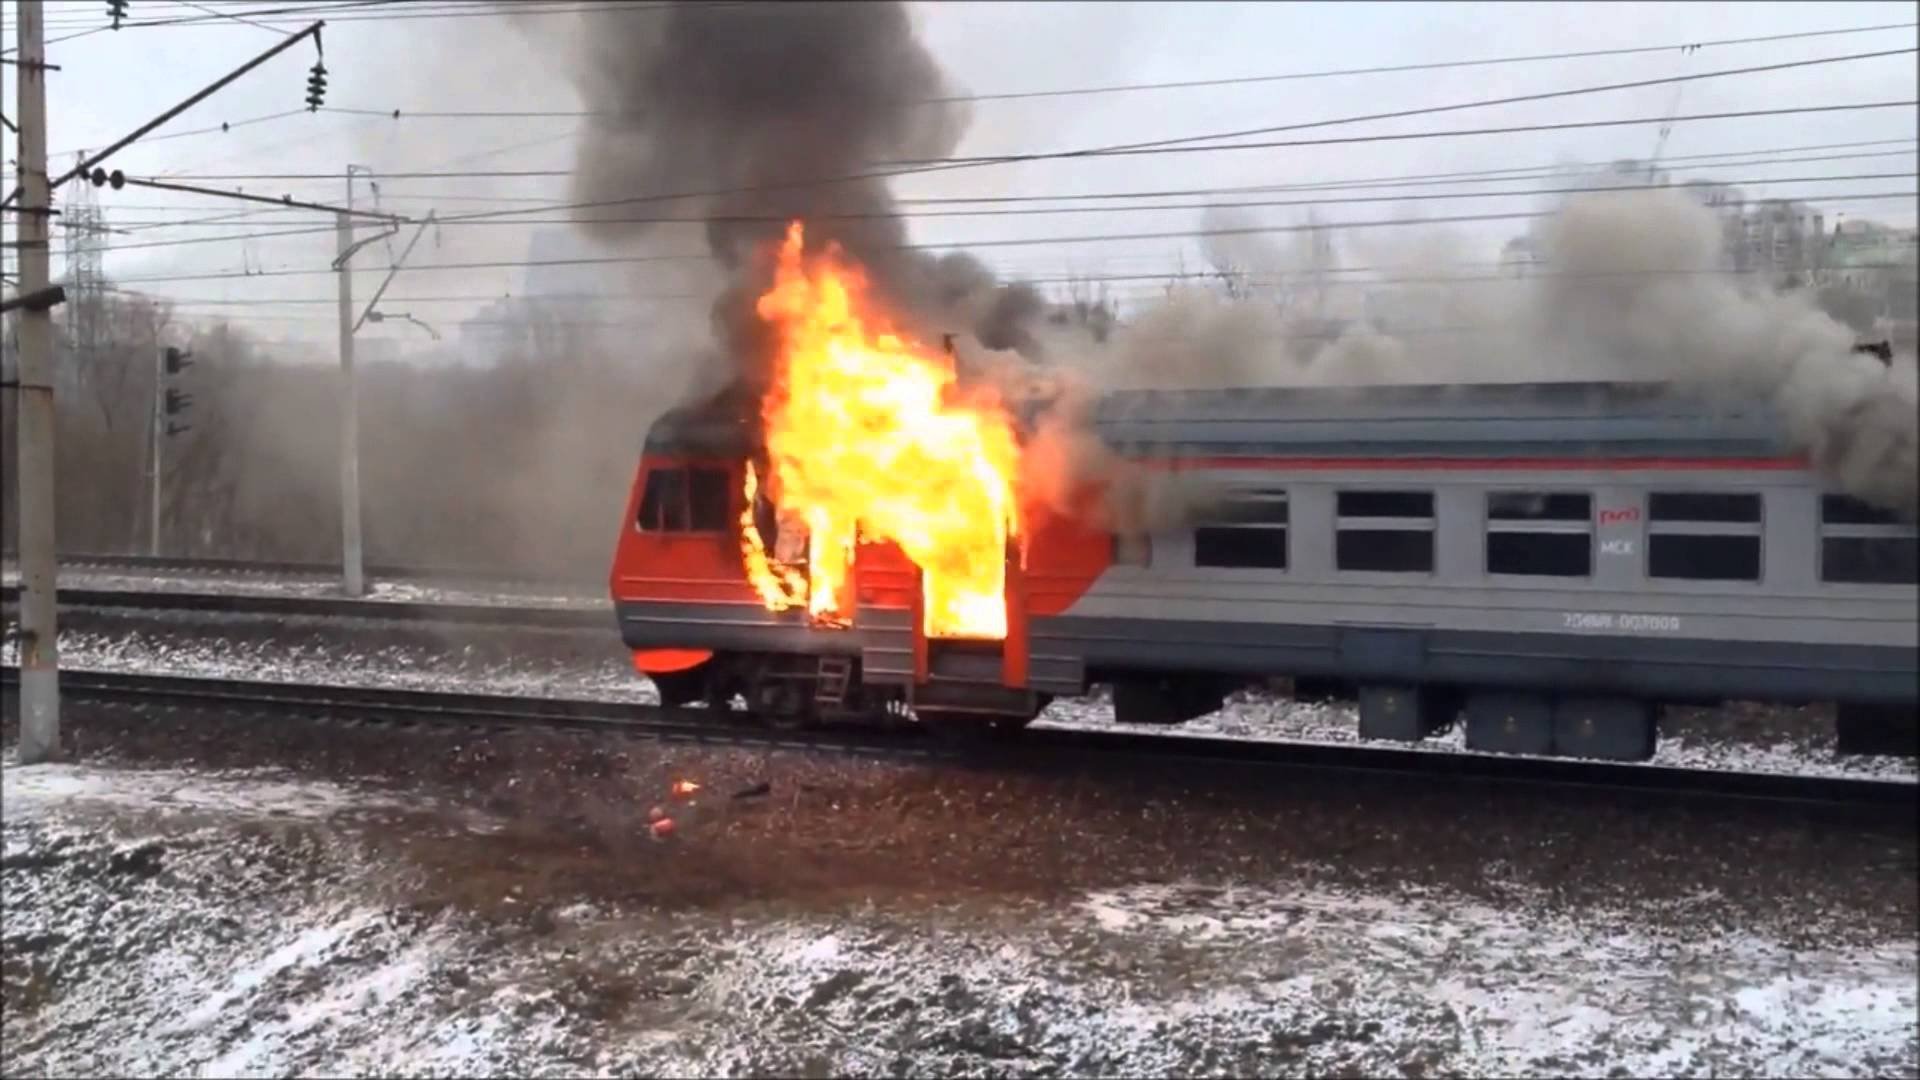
[1783, 241]
[1874, 266]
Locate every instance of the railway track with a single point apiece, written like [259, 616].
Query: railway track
[1052, 748]
[251, 569]
[584, 614]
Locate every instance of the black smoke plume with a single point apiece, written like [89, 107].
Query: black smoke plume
[771, 112]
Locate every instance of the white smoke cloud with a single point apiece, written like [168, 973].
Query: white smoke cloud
[1626, 286]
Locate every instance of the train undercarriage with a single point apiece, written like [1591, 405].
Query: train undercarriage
[797, 691]
[792, 690]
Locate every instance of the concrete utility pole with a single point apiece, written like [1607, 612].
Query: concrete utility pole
[39, 630]
[352, 568]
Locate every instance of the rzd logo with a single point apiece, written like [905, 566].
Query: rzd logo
[1619, 514]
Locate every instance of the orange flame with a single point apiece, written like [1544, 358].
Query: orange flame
[780, 586]
[869, 434]
[684, 788]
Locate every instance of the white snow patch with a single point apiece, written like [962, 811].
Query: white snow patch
[1257, 717]
[30, 790]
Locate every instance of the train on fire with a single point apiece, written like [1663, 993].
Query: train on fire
[1549, 564]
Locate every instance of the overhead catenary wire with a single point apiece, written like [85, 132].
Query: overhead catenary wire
[413, 10]
[511, 212]
[421, 9]
[305, 229]
[1004, 242]
[1430, 110]
[1518, 129]
[1500, 175]
[1544, 168]
[238, 17]
[1140, 278]
[1195, 141]
[1191, 143]
[1342, 140]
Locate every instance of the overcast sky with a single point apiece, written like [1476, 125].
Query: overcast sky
[110, 82]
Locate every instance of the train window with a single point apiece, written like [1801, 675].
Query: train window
[663, 505]
[1703, 506]
[1540, 533]
[1384, 531]
[1249, 532]
[1701, 536]
[1861, 544]
[1540, 506]
[1845, 510]
[685, 500]
[709, 497]
[1386, 504]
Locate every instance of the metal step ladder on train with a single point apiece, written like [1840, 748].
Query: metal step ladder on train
[832, 679]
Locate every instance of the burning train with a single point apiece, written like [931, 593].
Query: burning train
[1546, 563]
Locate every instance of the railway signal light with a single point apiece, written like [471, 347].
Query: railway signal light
[177, 401]
[316, 86]
[179, 429]
[103, 178]
[177, 359]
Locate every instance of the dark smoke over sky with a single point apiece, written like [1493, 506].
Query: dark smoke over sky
[742, 102]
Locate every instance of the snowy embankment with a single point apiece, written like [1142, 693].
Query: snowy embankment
[165, 922]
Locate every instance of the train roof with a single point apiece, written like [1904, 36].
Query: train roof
[1503, 420]
[1485, 420]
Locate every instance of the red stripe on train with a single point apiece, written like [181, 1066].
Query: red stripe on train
[1505, 464]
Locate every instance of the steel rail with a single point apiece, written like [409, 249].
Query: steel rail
[297, 569]
[1066, 749]
[596, 616]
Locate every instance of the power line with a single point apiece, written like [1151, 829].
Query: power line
[1487, 176]
[1025, 95]
[1301, 277]
[796, 184]
[1429, 110]
[1508, 174]
[499, 114]
[236, 17]
[397, 11]
[775, 219]
[498, 174]
[780, 185]
[973, 244]
[221, 127]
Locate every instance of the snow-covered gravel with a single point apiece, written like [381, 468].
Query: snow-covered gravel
[245, 924]
[351, 653]
[1255, 716]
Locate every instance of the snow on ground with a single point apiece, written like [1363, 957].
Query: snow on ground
[349, 660]
[1258, 716]
[225, 937]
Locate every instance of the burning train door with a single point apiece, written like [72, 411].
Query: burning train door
[947, 678]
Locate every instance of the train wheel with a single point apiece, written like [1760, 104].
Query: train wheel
[680, 687]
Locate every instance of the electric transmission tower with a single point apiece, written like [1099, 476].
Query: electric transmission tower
[86, 227]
